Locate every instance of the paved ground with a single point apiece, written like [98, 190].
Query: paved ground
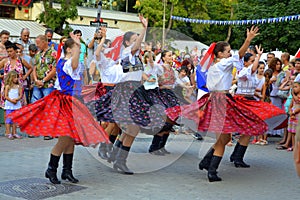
[175, 176]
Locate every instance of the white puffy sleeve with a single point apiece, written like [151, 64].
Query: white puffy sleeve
[160, 69]
[234, 60]
[75, 74]
[104, 62]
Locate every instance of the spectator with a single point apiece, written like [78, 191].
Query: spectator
[82, 55]
[14, 62]
[44, 71]
[270, 56]
[285, 58]
[4, 36]
[49, 35]
[24, 40]
[13, 95]
[92, 46]
[60, 51]
[27, 81]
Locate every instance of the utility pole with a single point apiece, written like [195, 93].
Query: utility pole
[164, 24]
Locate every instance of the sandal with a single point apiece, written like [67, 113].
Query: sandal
[263, 142]
[281, 148]
[10, 136]
[290, 149]
[254, 142]
[17, 136]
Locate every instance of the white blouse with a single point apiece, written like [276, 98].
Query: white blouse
[67, 68]
[219, 76]
[247, 82]
[111, 71]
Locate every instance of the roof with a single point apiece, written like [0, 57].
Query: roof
[182, 44]
[15, 26]
[107, 14]
[88, 31]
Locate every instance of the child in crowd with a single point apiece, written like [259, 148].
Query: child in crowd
[183, 83]
[13, 95]
[151, 71]
[265, 96]
[294, 111]
[260, 78]
[287, 85]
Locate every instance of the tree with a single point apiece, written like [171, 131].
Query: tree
[153, 9]
[56, 18]
[283, 36]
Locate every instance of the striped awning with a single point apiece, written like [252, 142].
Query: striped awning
[15, 27]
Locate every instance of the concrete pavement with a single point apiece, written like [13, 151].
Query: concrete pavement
[174, 176]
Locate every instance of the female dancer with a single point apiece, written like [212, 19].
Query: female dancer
[166, 82]
[111, 74]
[217, 111]
[125, 104]
[247, 84]
[62, 115]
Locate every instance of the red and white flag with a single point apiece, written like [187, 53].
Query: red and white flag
[114, 51]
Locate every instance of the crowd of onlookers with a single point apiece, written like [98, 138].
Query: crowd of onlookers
[34, 62]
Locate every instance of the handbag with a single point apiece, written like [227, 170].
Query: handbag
[283, 94]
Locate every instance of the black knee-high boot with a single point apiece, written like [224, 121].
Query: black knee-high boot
[112, 138]
[109, 147]
[154, 148]
[102, 151]
[52, 169]
[113, 153]
[212, 169]
[120, 163]
[237, 156]
[67, 168]
[162, 144]
[204, 163]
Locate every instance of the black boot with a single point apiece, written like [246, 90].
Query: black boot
[102, 152]
[52, 169]
[112, 138]
[237, 156]
[162, 144]
[120, 162]
[204, 163]
[212, 169]
[168, 127]
[154, 148]
[113, 153]
[109, 148]
[67, 168]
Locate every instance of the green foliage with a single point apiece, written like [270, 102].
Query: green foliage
[56, 18]
[282, 36]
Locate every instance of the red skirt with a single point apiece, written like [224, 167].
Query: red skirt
[272, 115]
[92, 92]
[60, 115]
[219, 113]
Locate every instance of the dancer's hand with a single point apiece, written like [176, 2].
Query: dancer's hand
[143, 20]
[75, 38]
[252, 33]
[259, 50]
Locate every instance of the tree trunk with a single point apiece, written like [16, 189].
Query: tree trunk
[230, 27]
[170, 21]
